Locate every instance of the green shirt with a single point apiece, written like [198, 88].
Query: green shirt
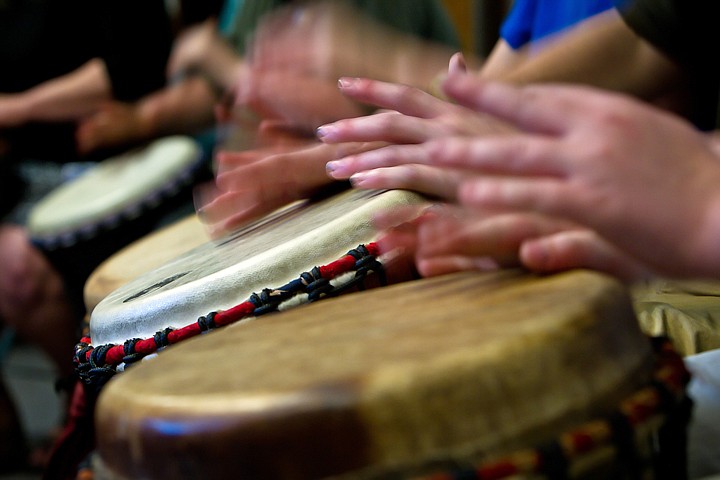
[426, 19]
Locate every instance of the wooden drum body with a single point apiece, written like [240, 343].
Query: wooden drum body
[399, 380]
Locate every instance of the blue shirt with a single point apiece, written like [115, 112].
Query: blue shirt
[531, 20]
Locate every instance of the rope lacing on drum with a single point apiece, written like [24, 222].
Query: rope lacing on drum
[365, 264]
[131, 355]
[95, 365]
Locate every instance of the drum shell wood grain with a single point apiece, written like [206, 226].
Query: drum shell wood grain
[390, 379]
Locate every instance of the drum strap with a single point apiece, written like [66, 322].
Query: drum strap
[95, 365]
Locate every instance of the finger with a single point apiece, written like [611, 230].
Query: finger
[223, 206]
[285, 176]
[431, 181]
[392, 217]
[435, 266]
[345, 149]
[227, 161]
[390, 127]
[389, 156]
[517, 154]
[542, 195]
[457, 65]
[407, 100]
[401, 238]
[497, 236]
[535, 108]
[581, 249]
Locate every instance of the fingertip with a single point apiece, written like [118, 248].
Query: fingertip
[324, 133]
[347, 83]
[331, 169]
[535, 255]
[457, 64]
[360, 179]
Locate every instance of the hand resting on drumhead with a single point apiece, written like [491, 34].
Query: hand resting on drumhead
[641, 179]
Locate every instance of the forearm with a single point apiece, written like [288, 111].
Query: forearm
[69, 97]
[184, 107]
[604, 52]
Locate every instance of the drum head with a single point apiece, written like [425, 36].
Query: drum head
[143, 255]
[267, 253]
[117, 189]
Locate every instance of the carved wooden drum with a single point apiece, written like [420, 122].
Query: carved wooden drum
[461, 376]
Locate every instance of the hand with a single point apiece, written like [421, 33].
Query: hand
[192, 46]
[294, 99]
[114, 124]
[642, 179]
[450, 239]
[415, 116]
[420, 117]
[255, 182]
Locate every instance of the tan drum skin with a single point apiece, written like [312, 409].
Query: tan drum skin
[142, 256]
[459, 366]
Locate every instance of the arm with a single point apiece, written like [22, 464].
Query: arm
[181, 108]
[65, 98]
[601, 51]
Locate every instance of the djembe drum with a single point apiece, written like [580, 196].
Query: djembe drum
[84, 221]
[475, 375]
[303, 252]
[143, 255]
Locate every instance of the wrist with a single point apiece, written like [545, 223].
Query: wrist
[19, 109]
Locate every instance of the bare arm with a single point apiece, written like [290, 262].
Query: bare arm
[604, 52]
[64, 98]
[184, 107]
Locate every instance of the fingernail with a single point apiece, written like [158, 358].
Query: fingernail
[336, 169]
[346, 82]
[322, 132]
[358, 179]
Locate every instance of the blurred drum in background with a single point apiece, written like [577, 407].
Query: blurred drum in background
[303, 252]
[472, 375]
[84, 221]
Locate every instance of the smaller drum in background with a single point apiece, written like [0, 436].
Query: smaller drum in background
[84, 221]
[143, 255]
[483, 375]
